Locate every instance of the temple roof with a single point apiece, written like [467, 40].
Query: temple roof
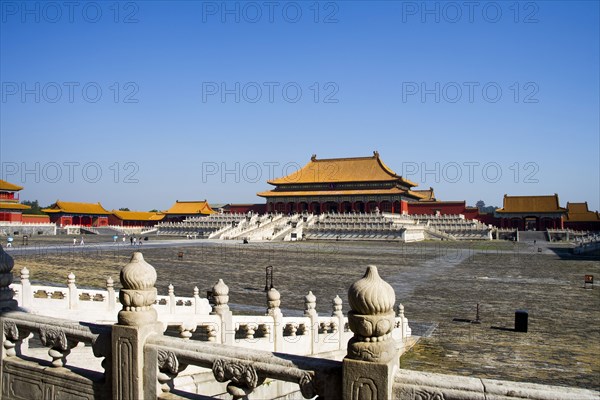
[533, 204]
[357, 169]
[283, 193]
[189, 207]
[9, 186]
[424, 195]
[579, 212]
[71, 207]
[13, 206]
[138, 215]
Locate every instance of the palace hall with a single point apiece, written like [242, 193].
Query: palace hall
[359, 184]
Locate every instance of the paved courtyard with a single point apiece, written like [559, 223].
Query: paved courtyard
[436, 281]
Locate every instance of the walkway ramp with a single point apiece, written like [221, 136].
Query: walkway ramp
[531, 236]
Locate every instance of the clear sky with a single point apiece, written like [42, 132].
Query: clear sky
[138, 104]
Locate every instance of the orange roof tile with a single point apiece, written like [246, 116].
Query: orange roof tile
[9, 186]
[579, 212]
[534, 204]
[138, 215]
[71, 207]
[189, 207]
[13, 206]
[283, 193]
[358, 169]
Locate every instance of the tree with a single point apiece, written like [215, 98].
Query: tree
[480, 205]
[153, 210]
[35, 207]
[124, 209]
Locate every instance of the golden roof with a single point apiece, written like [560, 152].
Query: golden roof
[138, 215]
[189, 207]
[579, 212]
[9, 186]
[283, 193]
[357, 169]
[71, 207]
[13, 206]
[533, 204]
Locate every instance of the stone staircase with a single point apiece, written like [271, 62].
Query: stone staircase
[530, 236]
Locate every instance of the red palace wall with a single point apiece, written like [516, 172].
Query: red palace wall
[10, 217]
[444, 208]
[35, 219]
[583, 226]
[244, 208]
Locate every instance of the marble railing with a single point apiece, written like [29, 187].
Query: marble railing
[140, 362]
[194, 317]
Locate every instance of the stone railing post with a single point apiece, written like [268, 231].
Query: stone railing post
[196, 300]
[372, 359]
[10, 341]
[310, 305]
[110, 294]
[135, 372]
[7, 302]
[337, 313]
[72, 289]
[273, 310]
[26, 295]
[171, 299]
[221, 298]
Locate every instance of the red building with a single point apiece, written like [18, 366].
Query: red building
[135, 218]
[531, 213]
[184, 209]
[72, 213]
[360, 184]
[10, 208]
[579, 217]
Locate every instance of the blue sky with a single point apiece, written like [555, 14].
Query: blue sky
[137, 104]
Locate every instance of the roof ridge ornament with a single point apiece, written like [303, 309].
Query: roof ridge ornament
[313, 157]
[376, 154]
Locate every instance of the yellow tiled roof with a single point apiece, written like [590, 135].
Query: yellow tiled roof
[189, 207]
[138, 215]
[282, 193]
[358, 169]
[534, 204]
[579, 212]
[13, 206]
[9, 186]
[71, 207]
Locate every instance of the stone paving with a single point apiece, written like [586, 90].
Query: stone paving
[436, 282]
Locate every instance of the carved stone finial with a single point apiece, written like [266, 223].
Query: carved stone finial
[138, 294]
[310, 304]
[171, 289]
[273, 302]
[372, 318]
[401, 310]
[24, 274]
[196, 291]
[6, 278]
[71, 279]
[337, 307]
[109, 282]
[221, 296]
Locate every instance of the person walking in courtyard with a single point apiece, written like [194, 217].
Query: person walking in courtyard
[9, 241]
[131, 240]
[81, 243]
[74, 241]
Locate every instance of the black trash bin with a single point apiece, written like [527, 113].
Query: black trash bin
[521, 319]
